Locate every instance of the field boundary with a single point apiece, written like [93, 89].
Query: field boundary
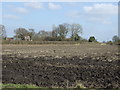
[45, 42]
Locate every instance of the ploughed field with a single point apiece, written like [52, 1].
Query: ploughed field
[92, 65]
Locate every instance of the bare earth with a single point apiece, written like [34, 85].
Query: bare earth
[93, 65]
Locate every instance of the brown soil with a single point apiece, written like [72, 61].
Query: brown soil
[93, 65]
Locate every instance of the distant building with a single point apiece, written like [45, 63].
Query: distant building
[27, 38]
[9, 38]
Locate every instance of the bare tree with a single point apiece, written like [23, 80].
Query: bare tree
[21, 33]
[63, 30]
[31, 33]
[115, 38]
[43, 33]
[75, 30]
[2, 32]
[55, 32]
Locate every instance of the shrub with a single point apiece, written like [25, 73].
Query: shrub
[92, 39]
[109, 42]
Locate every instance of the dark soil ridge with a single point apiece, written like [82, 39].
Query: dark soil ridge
[61, 72]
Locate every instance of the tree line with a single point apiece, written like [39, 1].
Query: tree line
[62, 32]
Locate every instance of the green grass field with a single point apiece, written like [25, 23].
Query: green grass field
[33, 87]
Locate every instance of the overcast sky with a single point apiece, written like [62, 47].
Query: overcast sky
[97, 19]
